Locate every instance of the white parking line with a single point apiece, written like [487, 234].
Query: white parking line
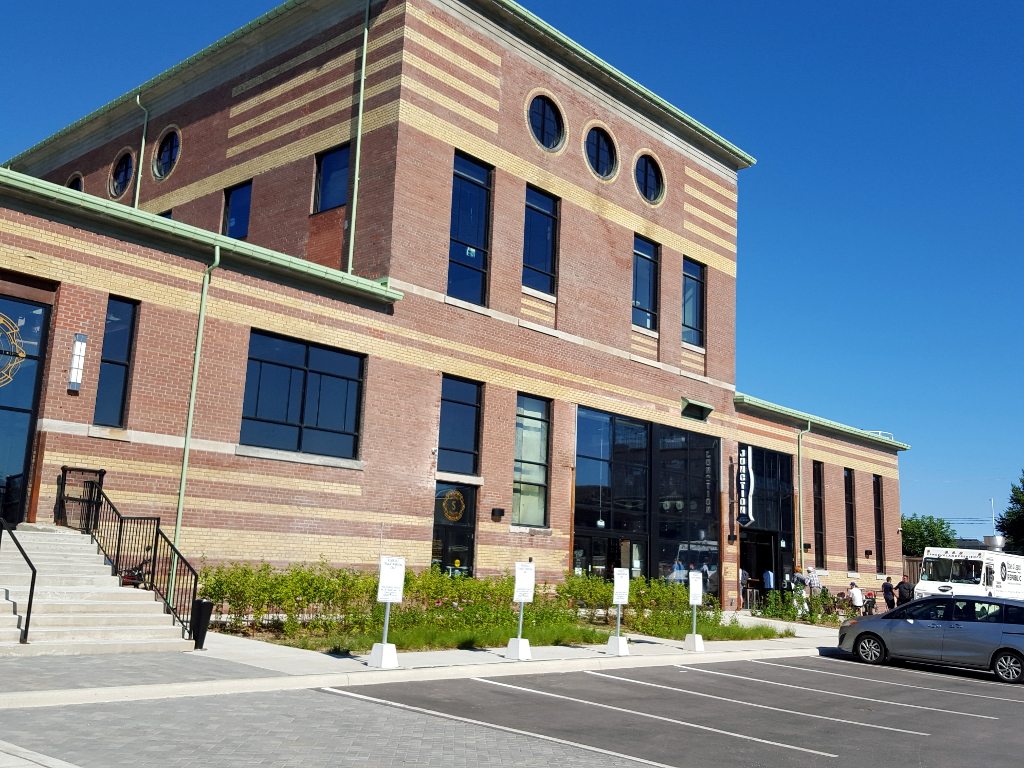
[654, 717]
[759, 706]
[887, 682]
[924, 672]
[833, 693]
[498, 727]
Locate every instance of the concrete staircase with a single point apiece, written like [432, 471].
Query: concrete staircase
[79, 607]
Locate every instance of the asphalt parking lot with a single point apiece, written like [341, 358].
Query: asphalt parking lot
[795, 712]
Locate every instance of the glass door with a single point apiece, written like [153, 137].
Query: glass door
[23, 327]
[454, 529]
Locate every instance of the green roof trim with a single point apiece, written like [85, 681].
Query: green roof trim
[512, 8]
[22, 185]
[541, 26]
[832, 426]
[266, 18]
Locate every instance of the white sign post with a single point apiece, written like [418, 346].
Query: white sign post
[693, 641]
[518, 648]
[389, 590]
[619, 645]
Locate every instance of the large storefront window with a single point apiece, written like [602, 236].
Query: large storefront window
[23, 326]
[646, 499]
[767, 544]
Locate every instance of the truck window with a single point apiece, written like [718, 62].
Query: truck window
[936, 569]
[965, 572]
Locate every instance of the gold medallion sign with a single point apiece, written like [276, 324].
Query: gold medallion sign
[12, 354]
[454, 505]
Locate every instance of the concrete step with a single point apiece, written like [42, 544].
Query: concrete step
[70, 648]
[64, 594]
[54, 580]
[65, 607]
[124, 632]
[42, 550]
[54, 563]
[66, 620]
[62, 567]
[10, 635]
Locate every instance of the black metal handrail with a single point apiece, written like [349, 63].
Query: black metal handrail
[32, 585]
[138, 552]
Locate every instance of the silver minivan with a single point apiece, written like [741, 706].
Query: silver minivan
[974, 632]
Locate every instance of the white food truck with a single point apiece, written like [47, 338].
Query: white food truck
[950, 571]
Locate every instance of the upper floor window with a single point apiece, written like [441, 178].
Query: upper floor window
[530, 486]
[693, 302]
[818, 470]
[540, 241]
[601, 152]
[166, 155]
[331, 179]
[115, 363]
[122, 175]
[645, 283]
[648, 179]
[236, 210]
[546, 122]
[851, 520]
[470, 231]
[458, 439]
[301, 397]
[75, 183]
[876, 482]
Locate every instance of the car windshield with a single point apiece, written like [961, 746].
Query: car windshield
[936, 569]
[965, 572]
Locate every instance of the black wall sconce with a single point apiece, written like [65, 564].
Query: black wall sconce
[807, 546]
[732, 537]
[497, 514]
[867, 553]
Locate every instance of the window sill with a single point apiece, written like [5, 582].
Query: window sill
[822, 573]
[694, 348]
[540, 295]
[295, 457]
[455, 477]
[881, 576]
[531, 530]
[645, 331]
[110, 433]
[852, 575]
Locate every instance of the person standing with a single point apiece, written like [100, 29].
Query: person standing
[800, 591]
[904, 591]
[744, 585]
[813, 581]
[889, 594]
[856, 598]
[769, 579]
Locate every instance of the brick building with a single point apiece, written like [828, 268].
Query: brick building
[526, 350]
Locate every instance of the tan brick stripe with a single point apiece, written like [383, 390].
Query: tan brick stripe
[450, 104]
[458, 37]
[711, 184]
[543, 306]
[450, 56]
[700, 213]
[711, 236]
[728, 210]
[461, 85]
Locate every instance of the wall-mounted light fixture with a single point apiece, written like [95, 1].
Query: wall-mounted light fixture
[77, 363]
[807, 546]
[867, 553]
[497, 514]
[732, 537]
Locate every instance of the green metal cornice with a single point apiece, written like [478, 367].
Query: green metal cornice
[799, 418]
[57, 197]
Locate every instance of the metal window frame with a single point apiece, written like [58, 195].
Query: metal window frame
[227, 207]
[876, 483]
[547, 466]
[489, 187]
[114, 191]
[559, 120]
[703, 285]
[849, 493]
[653, 313]
[651, 168]
[127, 365]
[158, 158]
[818, 495]
[319, 176]
[613, 155]
[476, 427]
[557, 238]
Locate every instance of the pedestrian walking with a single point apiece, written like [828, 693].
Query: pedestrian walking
[856, 598]
[744, 585]
[800, 591]
[889, 594]
[904, 591]
[813, 580]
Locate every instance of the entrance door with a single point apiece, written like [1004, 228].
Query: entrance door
[23, 327]
[759, 554]
[454, 529]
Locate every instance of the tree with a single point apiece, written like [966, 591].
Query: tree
[1011, 522]
[926, 531]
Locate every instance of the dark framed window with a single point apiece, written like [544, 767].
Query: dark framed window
[601, 152]
[468, 250]
[75, 183]
[331, 179]
[454, 543]
[122, 175]
[645, 283]
[530, 484]
[458, 439]
[546, 122]
[166, 155]
[115, 363]
[165, 215]
[540, 241]
[302, 397]
[818, 473]
[851, 520]
[876, 482]
[693, 302]
[237, 202]
[648, 179]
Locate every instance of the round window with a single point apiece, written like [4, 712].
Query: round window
[601, 152]
[166, 155]
[546, 122]
[648, 179]
[122, 176]
[75, 183]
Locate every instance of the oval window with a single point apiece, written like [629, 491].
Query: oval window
[546, 122]
[166, 155]
[601, 152]
[75, 183]
[122, 176]
[648, 178]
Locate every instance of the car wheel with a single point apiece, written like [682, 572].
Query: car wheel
[1008, 666]
[870, 649]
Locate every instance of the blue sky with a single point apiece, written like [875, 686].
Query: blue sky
[881, 234]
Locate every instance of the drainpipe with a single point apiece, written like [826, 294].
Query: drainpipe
[359, 140]
[800, 485]
[142, 148]
[192, 400]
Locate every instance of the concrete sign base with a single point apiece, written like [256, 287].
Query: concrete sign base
[617, 646]
[518, 650]
[384, 656]
[693, 643]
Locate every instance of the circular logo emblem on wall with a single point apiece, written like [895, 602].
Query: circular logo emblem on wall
[12, 354]
[1002, 571]
[454, 505]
